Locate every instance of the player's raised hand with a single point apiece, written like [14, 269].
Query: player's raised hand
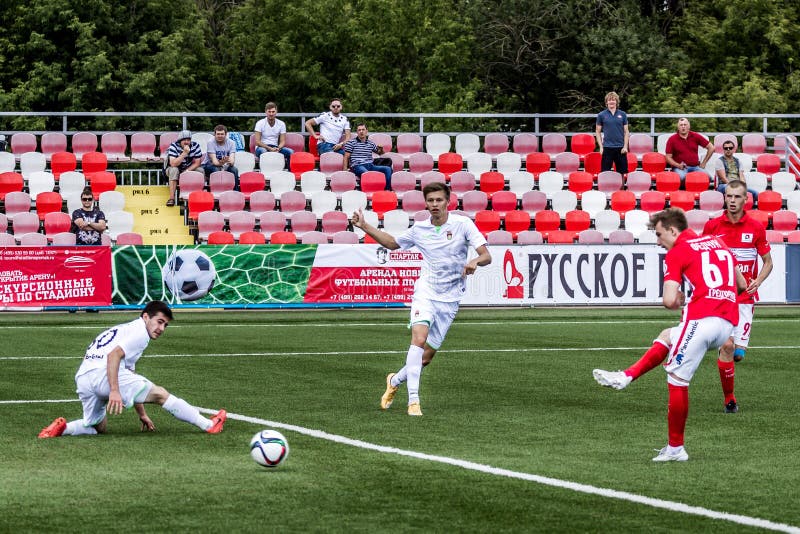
[358, 219]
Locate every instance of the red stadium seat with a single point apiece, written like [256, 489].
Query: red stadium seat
[623, 202]
[503, 202]
[580, 182]
[199, 201]
[582, 144]
[301, 162]
[517, 221]
[769, 201]
[94, 162]
[221, 237]
[697, 182]
[592, 163]
[667, 181]
[784, 221]
[652, 201]
[101, 182]
[10, 182]
[537, 162]
[61, 162]
[577, 221]
[490, 182]
[681, 199]
[525, 143]
[450, 162]
[560, 237]
[769, 164]
[654, 162]
[487, 221]
[251, 181]
[283, 238]
[47, 202]
[546, 221]
[383, 201]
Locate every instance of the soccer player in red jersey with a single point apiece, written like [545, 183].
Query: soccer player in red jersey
[747, 239]
[708, 266]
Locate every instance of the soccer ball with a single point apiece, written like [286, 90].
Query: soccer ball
[269, 448]
[189, 274]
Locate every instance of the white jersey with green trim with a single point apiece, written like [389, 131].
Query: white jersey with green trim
[445, 250]
[131, 337]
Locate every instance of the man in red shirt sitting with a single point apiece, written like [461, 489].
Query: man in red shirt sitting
[682, 147]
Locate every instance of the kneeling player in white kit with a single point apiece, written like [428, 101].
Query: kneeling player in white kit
[107, 381]
[444, 241]
[708, 318]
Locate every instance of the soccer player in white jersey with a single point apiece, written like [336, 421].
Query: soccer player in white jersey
[444, 241]
[107, 380]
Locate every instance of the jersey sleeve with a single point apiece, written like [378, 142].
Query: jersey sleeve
[474, 236]
[407, 239]
[673, 266]
[761, 243]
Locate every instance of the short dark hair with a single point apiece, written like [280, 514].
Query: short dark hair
[670, 218]
[87, 191]
[270, 105]
[736, 184]
[220, 128]
[436, 186]
[156, 306]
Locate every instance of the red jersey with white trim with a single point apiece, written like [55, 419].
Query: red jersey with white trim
[747, 239]
[707, 266]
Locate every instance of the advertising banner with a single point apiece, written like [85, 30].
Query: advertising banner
[55, 276]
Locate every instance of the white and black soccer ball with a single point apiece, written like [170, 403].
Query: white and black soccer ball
[189, 274]
[269, 448]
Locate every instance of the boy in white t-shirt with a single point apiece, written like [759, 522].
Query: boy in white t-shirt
[444, 241]
[107, 381]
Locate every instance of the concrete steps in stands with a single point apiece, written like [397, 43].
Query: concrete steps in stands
[158, 224]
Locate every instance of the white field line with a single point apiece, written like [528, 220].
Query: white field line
[496, 471]
[375, 352]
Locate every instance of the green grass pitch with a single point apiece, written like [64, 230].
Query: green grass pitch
[510, 389]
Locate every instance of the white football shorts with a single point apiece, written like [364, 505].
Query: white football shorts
[93, 390]
[741, 332]
[437, 315]
[690, 340]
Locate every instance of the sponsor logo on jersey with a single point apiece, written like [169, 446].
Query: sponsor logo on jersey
[747, 238]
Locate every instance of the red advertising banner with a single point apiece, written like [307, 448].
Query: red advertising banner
[55, 276]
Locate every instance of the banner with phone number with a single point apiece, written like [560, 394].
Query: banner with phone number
[55, 276]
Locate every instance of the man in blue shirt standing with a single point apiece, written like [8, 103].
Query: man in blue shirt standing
[612, 135]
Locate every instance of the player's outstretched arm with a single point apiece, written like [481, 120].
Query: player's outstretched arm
[147, 423]
[115, 405]
[385, 239]
[483, 259]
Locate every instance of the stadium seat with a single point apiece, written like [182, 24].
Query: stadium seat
[761, 216]
[344, 238]
[371, 182]
[63, 239]
[22, 142]
[7, 162]
[517, 221]
[353, 201]
[302, 222]
[773, 236]
[314, 238]
[580, 182]
[55, 222]
[269, 162]
[409, 143]
[546, 221]
[280, 182]
[754, 144]
[381, 139]
[582, 144]
[466, 144]
[30, 162]
[560, 237]
[537, 162]
[47, 202]
[271, 221]
[395, 222]
[32, 239]
[607, 221]
[783, 182]
[563, 201]
[793, 201]
[189, 182]
[508, 163]
[128, 238]
[25, 222]
[7, 240]
[473, 202]
[245, 162]
[342, 181]
[682, 199]
[520, 182]
[398, 163]
[412, 201]
[697, 182]
[17, 202]
[461, 182]
[329, 163]
[143, 147]
[221, 181]
[383, 201]
[793, 237]
[697, 219]
[499, 237]
[566, 163]
[450, 162]
[323, 201]
[372, 219]
[491, 182]
[295, 141]
[114, 145]
[221, 237]
[712, 202]
[551, 182]
[61, 162]
[250, 182]
[403, 181]
[638, 182]
[10, 182]
[554, 143]
[101, 182]
[525, 143]
[119, 222]
[487, 221]
[199, 201]
[769, 164]
[770, 201]
[608, 182]
[312, 182]
[530, 237]
[533, 201]
[784, 221]
[40, 182]
[636, 222]
[477, 163]
[94, 162]
[780, 142]
[301, 162]
[419, 163]
[209, 221]
[594, 201]
[334, 222]
[652, 201]
[590, 237]
[653, 163]
[495, 144]
[283, 238]
[640, 144]
[202, 139]
[757, 181]
[437, 144]
[592, 163]
[248, 238]
[503, 202]
[620, 237]
[291, 202]
[85, 142]
[667, 181]
[229, 202]
[577, 221]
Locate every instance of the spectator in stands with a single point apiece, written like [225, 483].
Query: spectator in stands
[182, 155]
[612, 123]
[334, 129]
[682, 148]
[358, 155]
[270, 133]
[88, 222]
[221, 154]
[729, 168]
[3, 143]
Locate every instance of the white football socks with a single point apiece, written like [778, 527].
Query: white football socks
[76, 428]
[413, 370]
[182, 410]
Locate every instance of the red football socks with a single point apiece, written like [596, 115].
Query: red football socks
[650, 360]
[676, 414]
[727, 370]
